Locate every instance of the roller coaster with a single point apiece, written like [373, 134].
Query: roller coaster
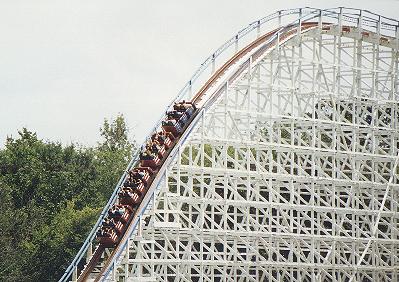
[277, 161]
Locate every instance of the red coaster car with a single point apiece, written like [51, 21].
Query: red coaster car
[168, 141]
[183, 106]
[189, 112]
[172, 126]
[157, 149]
[161, 151]
[163, 139]
[120, 213]
[141, 189]
[150, 160]
[129, 198]
[141, 173]
[107, 237]
[148, 172]
[175, 120]
[119, 227]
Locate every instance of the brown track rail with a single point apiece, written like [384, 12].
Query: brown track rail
[92, 263]
[238, 56]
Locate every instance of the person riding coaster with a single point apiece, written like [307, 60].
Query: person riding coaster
[183, 106]
[144, 169]
[180, 117]
[128, 183]
[172, 127]
[126, 192]
[169, 122]
[174, 114]
[117, 211]
[109, 222]
[147, 153]
[187, 108]
[107, 236]
[155, 147]
[134, 184]
[129, 197]
[158, 137]
[105, 231]
[136, 174]
[151, 151]
[163, 139]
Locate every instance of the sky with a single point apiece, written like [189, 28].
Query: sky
[67, 65]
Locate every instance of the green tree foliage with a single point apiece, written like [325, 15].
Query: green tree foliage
[51, 196]
[114, 151]
[115, 135]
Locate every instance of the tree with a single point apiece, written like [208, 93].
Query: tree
[114, 151]
[51, 196]
[115, 134]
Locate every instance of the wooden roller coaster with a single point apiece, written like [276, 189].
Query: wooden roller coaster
[153, 154]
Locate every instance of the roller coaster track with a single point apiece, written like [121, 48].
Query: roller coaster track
[344, 22]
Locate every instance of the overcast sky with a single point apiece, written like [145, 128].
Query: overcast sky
[66, 65]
